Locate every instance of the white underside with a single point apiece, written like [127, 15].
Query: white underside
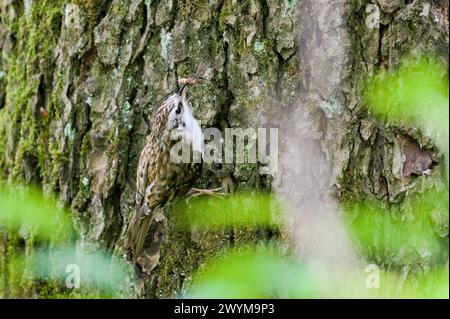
[193, 130]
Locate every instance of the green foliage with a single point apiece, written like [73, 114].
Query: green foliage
[264, 272]
[99, 272]
[414, 95]
[50, 251]
[254, 272]
[26, 208]
[243, 272]
[406, 248]
[239, 210]
[415, 238]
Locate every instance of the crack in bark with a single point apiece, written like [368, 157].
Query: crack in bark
[383, 29]
[265, 16]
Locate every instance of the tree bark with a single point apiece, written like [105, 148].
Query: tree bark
[79, 81]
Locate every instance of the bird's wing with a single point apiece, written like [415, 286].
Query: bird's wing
[142, 179]
[149, 194]
[151, 188]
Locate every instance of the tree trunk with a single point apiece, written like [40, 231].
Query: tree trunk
[79, 81]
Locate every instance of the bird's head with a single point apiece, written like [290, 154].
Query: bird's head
[180, 115]
[179, 119]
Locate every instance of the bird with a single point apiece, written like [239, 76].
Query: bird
[160, 179]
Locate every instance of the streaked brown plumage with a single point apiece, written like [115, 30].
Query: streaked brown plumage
[159, 179]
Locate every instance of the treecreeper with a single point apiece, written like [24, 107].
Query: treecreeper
[160, 178]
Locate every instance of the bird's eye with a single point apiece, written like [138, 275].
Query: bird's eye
[178, 111]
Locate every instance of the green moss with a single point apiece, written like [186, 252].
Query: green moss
[227, 10]
[28, 61]
[23, 130]
[93, 9]
[351, 185]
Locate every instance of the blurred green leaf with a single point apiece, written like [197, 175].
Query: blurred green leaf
[416, 95]
[241, 209]
[254, 272]
[393, 236]
[77, 273]
[50, 254]
[261, 272]
[96, 269]
[25, 209]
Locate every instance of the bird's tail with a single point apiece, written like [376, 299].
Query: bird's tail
[137, 232]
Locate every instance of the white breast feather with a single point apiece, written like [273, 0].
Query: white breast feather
[193, 129]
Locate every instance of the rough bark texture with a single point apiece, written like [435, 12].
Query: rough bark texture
[78, 81]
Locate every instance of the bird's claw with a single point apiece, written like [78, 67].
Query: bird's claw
[214, 192]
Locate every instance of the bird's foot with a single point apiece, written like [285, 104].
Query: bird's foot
[214, 192]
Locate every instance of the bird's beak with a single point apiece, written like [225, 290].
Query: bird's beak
[186, 81]
[183, 89]
[182, 92]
